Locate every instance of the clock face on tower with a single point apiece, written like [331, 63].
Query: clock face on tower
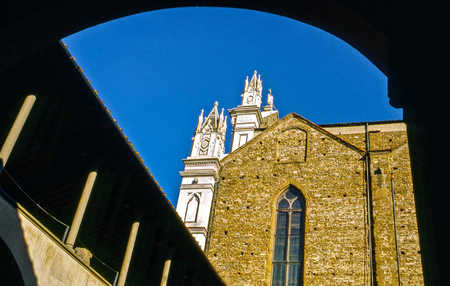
[250, 99]
[204, 144]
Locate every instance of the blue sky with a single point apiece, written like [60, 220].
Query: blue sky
[155, 71]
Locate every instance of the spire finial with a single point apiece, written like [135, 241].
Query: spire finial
[221, 118]
[200, 121]
[270, 98]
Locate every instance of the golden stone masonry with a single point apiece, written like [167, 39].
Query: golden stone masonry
[357, 224]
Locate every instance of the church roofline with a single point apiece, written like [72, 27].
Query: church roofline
[361, 123]
[321, 129]
[94, 93]
[308, 122]
[360, 127]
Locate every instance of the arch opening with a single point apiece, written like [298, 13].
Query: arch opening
[184, 68]
[34, 28]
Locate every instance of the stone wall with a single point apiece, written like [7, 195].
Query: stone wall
[41, 258]
[330, 172]
[391, 183]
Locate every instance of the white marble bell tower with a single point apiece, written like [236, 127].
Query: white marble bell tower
[247, 117]
[201, 173]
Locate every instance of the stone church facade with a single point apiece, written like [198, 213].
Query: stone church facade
[296, 203]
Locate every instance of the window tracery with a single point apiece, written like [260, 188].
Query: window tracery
[287, 261]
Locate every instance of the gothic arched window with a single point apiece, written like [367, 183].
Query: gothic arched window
[192, 209]
[287, 262]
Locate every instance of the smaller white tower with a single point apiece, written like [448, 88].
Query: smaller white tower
[201, 173]
[247, 117]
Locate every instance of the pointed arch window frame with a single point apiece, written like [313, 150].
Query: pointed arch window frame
[194, 196]
[283, 242]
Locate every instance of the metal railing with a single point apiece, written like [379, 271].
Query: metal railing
[109, 273]
[12, 191]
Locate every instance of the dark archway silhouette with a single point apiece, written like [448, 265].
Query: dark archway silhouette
[386, 32]
[36, 26]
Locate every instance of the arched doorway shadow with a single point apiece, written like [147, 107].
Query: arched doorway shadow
[16, 265]
[9, 271]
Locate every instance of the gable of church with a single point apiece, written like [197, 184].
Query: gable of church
[289, 140]
[326, 170]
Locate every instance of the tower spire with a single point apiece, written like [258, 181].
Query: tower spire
[252, 93]
[221, 118]
[209, 135]
[200, 121]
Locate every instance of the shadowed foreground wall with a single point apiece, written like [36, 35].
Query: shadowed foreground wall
[67, 135]
[42, 258]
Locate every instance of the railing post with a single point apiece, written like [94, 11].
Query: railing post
[128, 253]
[16, 128]
[81, 208]
[165, 273]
